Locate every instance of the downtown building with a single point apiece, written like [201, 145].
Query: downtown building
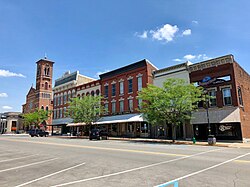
[119, 89]
[66, 87]
[41, 96]
[228, 84]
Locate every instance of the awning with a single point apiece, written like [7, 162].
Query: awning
[121, 119]
[75, 124]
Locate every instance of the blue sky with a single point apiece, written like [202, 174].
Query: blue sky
[95, 36]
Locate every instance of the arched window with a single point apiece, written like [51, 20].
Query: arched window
[42, 108]
[83, 95]
[46, 86]
[79, 96]
[92, 93]
[240, 96]
[97, 92]
[87, 93]
[73, 93]
[69, 95]
[65, 97]
[47, 108]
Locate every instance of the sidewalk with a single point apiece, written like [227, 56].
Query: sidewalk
[163, 141]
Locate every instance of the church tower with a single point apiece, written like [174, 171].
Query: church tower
[44, 85]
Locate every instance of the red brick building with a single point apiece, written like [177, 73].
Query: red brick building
[120, 88]
[229, 106]
[41, 96]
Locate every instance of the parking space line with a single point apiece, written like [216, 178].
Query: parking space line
[16, 158]
[135, 169]
[35, 163]
[99, 148]
[203, 170]
[52, 174]
[243, 161]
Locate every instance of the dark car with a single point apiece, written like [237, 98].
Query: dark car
[98, 134]
[38, 132]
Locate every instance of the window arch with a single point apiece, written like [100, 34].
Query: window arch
[87, 93]
[83, 94]
[46, 86]
[47, 108]
[42, 108]
[92, 93]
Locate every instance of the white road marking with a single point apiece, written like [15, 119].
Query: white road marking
[16, 158]
[134, 169]
[203, 170]
[52, 174]
[35, 163]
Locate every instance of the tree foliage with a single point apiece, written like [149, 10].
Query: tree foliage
[35, 118]
[171, 104]
[85, 110]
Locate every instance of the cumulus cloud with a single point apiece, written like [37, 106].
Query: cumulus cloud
[7, 107]
[3, 95]
[144, 35]
[189, 57]
[186, 32]
[166, 33]
[7, 73]
[195, 22]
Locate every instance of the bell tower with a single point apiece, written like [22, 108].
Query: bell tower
[44, 94]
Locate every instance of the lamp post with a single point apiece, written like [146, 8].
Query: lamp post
[207, 105]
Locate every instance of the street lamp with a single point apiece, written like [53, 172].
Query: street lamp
[207, 105]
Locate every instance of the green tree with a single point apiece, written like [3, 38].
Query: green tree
[171, 104]
[85, 110]
[35, 118]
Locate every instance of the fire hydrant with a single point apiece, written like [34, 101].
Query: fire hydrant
[194, 140]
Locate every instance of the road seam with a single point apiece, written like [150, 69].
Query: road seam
[134, 169]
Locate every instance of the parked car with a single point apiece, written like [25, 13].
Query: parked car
[38, 132]
[99, 134]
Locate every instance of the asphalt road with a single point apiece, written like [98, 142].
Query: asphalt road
[26, 161]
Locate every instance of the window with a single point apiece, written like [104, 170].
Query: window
[64, 112]
[92, 93]
[113, 90]
[139, 103]
[46, 86]
[65, 98]
[113, 107]
[106, 107]
[130, 86]
[73, 94]
[106, 90]
[121, 88]
[227, 99]
[139, 81]
[130, 104]
[212, 94]
[42, 108]
[47, 108]
[55, 99]
[60, 113]
[97, 92]
[121, 106]
[240, 97]
[69, 95]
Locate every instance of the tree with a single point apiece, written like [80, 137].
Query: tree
[35, 118]
[171, 104]
[85, 110]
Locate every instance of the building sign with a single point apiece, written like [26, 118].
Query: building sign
[225, 128]
[208, 80]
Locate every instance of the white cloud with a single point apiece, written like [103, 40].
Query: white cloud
[189, 57]
[7, 107]
[177, 60]
[7, 73]
[101, 72]
[186, 32]
[3, 95]
[144, 35]
[195, 22]
[166, 33]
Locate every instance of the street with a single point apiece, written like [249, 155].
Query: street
[26, 161]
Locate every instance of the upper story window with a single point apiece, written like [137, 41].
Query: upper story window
[65, 97]
[139, 83]
[130, 104]
[46, 86]
[227, 98]
[47, 108]
[69, 95]
[213, 100]
[130, 85]
[121, 88]
[121, 106]
[139, 103]
[92, 93]
[47, 70]
[240, 97]
[42, 108]
[97, 92]
[113, 89]
[106, 91]
[73, 93]
[106, 108]
[113, 107]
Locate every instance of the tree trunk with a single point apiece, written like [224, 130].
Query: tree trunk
[173, 132]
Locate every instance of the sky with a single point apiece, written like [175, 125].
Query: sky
[95, 36]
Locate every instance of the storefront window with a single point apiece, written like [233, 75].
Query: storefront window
[144, 128]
